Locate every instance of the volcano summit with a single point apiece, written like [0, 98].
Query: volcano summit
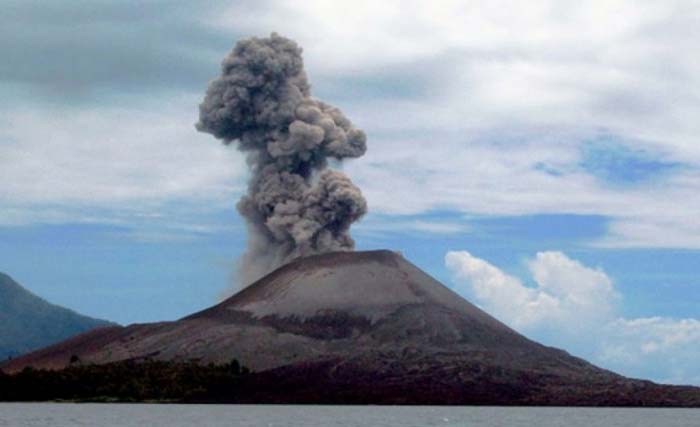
[364, 327]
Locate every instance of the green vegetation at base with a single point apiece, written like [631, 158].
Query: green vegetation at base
[128, 381]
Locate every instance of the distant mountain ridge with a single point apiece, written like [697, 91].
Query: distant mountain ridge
[28, 322]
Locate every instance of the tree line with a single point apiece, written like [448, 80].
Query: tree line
[126, 381]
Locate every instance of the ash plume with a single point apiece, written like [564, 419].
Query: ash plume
[294, 206]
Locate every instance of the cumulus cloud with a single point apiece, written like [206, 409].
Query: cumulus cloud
[565, 291]
[574, 306]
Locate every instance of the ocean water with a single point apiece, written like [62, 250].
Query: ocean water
[122, 415]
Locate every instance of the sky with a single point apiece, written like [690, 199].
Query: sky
[540, 158]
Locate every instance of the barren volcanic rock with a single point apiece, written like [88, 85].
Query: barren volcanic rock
[365, 327]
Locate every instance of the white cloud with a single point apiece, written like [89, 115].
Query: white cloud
[566, 292]
[502, 294]
[56, 165]
[583, 291]
[677, 228]
[573, 306]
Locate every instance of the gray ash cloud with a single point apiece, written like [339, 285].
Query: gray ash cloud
[295, 206]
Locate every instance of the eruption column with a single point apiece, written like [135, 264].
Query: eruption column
[294, 206]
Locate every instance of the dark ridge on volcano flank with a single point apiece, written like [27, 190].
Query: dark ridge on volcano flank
[365, 327]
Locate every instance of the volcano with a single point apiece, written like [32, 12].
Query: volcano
[364, 327]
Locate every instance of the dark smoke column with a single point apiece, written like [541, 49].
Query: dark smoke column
[294, 206]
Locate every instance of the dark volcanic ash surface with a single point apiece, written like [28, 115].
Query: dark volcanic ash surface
[365, 327]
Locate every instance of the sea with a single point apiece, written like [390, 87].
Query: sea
[145, 415]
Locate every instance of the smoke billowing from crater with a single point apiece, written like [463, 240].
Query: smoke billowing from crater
[294, 206]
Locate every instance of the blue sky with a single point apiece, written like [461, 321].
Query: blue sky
[541, 161]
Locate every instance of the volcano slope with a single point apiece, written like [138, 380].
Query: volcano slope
[364, 327]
